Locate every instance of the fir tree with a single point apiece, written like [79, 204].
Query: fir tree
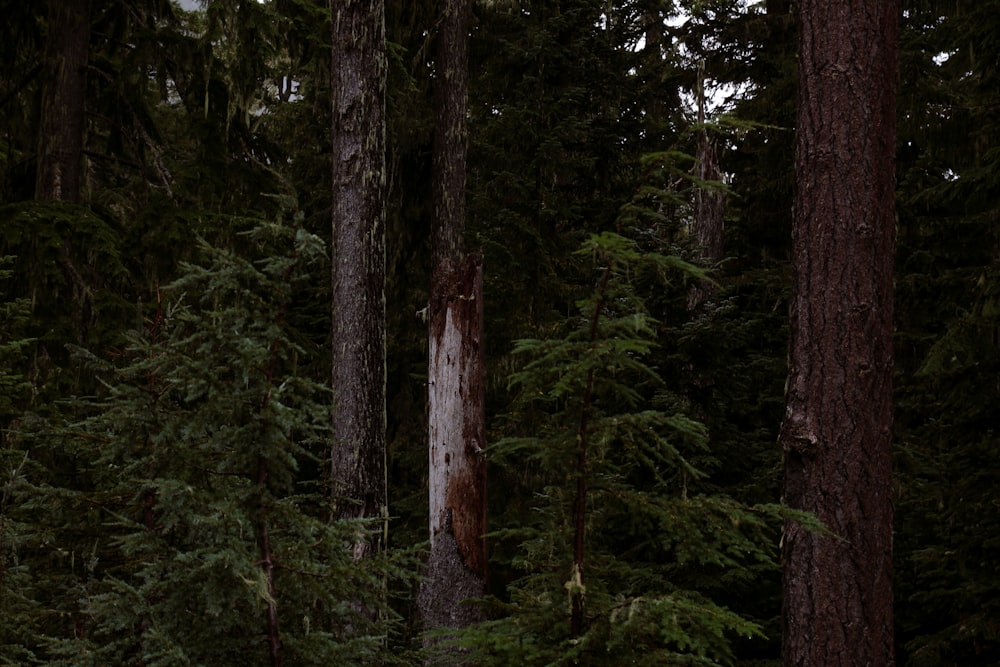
[197, 518]
[613, 531]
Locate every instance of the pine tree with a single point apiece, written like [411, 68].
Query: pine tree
[60, 153]
[18, 607]
[614, 529]
[197, 511]
[947, 342]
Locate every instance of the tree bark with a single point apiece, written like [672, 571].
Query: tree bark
[358, 465]
[457, 565]
[60, 144]
[836, 435]
[450, 132]
[709, 203]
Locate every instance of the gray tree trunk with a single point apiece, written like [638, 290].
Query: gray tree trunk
[837, 431]
[709, 201]
[358, 465]
[457, 565]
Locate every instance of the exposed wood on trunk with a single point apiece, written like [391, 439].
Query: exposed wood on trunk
[457, 566]
[837, 431]
[60, 143]
[358, 465]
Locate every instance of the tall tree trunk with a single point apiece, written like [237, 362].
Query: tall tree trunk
[837, 431]
[451, 90]
[60, 144]
[59, 169]
[709, 203]
[457, 565]
[358, 465]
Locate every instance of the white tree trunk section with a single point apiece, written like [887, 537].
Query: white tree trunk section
[456, 568]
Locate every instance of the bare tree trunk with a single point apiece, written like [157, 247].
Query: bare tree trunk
[60, 143]
[358, 465]
[457, 565]
[450, 132]
[837, 431]
[709, 202]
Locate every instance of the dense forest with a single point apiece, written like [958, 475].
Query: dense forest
[500, 332]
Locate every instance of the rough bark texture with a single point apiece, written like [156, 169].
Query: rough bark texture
[457, 566]
[837, 432]
[450, 131]
[60, 145]
[709, 202]
[358, 466]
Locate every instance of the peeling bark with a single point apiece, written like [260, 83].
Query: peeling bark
[457, 566]
[837, 431]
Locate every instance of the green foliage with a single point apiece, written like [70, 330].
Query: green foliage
[652, 546]
[947, 353]
[16, 604]
[579, 123]
[69, 265]
[197, 469]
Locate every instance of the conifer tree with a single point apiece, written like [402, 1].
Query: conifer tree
[198, 515]
[617, 527]
[18, 607]
[948, 348]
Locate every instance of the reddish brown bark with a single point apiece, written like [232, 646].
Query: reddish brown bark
[60, 146]
[358, 466]
[837, 432]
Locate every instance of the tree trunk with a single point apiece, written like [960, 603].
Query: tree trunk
[837, 431]
[358, 466]
[450, 132]
[709, 203]
[60, 144]
[457, 566]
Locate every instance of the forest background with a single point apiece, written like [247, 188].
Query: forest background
[165, 338]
